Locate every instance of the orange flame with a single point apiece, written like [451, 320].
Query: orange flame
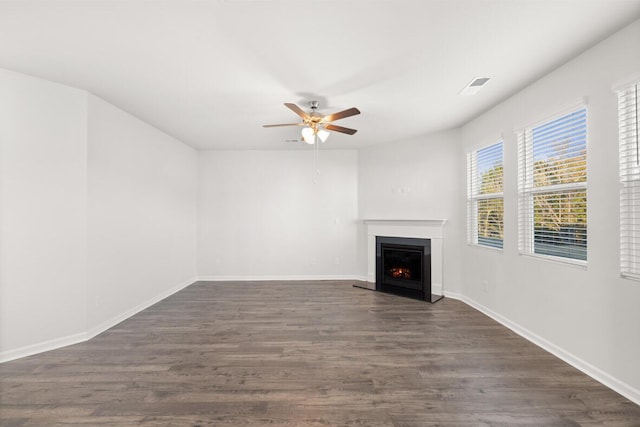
[403, 273]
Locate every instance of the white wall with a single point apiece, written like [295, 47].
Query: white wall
[97, 215]
[417, 179]
[141, 215]
[42, 213]
[262, 216]
[126, 195]
[591, 315]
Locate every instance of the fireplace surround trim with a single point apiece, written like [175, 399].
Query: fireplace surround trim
[416, 228]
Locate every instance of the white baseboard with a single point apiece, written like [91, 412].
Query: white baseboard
[55, 343]
[608, 380]
[98, 329]
[436, 289]
[454, 295]
[276, 277]
[41, 347]
[597, 374]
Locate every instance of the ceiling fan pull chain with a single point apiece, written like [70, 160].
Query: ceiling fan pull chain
[317, 144]
[316, 161]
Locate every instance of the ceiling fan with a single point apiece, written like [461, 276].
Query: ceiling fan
[316, 125]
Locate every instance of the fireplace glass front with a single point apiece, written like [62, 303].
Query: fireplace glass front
[403, 267]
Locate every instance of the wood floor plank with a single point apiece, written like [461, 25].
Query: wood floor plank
[304, 354]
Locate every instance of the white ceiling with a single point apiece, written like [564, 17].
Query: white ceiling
[211, 73]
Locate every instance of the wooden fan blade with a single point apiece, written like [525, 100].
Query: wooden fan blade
[282, 124]
[341, 115]
[299, 111]
[340, 129]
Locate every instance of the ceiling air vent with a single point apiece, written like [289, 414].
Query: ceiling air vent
[474, 86]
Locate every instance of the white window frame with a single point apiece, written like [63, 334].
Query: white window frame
[629, 172]
[474, 196]
[527, 190]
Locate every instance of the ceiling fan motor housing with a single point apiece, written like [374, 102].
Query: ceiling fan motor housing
[317, 121]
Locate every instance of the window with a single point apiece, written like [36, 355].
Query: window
[629, 182]
[485, 196]
[552, 188]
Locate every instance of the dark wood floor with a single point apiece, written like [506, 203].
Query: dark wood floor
[304, 354]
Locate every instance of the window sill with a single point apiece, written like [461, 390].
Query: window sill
[629, 276]
[488, 248]
[576, 263]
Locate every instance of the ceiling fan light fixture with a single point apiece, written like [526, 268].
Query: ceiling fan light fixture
[323, 135]
[308, 135]
[317, 127]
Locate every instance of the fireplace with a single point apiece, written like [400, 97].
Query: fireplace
[404, 267]
[427, 229]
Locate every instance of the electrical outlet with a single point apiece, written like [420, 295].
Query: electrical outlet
[336, 260]
[485, 285]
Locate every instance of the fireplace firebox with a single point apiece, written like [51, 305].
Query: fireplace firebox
[403, 267]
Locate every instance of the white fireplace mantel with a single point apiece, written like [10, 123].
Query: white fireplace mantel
[417, 228]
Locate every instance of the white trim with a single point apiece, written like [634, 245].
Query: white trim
[265, 278]
[107, 324]
[553, 114]
[606, 379]
[527, 189]
[480, 145]
[630, 276]
[80, 337]
[485, 196]
[423, 222]
[582, 185]
[41, 347]
[624, 83]
[453, 295]
[413, 228]
[56, 343]
[628, 172]
[597, 374]
[476, 198]
[571, 262]
[489, 248]
[436, 289]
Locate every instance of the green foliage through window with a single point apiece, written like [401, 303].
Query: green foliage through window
[486, 210]
[553, 187]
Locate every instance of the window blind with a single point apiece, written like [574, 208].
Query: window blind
[485, 205]
[552, 187]
[629, 181]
